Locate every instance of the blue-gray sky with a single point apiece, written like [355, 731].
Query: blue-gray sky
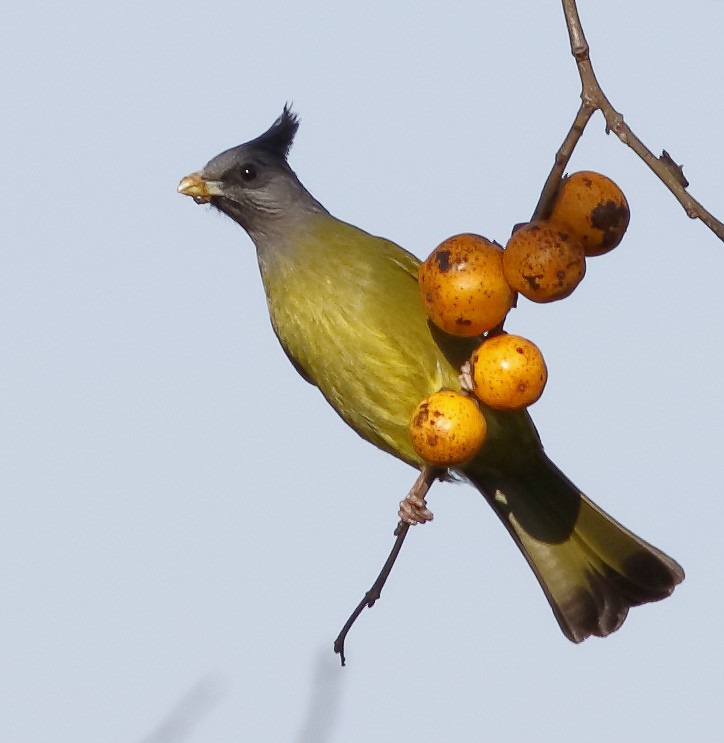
[185, 524]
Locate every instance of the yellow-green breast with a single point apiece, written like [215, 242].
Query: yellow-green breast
[346, 308]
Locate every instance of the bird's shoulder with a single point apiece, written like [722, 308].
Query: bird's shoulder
[357, 245]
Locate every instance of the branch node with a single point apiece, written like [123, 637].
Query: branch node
[674, 168]
[580, 52]
[593, 98]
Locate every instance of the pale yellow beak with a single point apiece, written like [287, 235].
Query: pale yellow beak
[201, 190]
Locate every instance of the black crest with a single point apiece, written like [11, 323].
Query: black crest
[278, 138]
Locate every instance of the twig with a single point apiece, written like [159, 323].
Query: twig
[374, 593]
[545, 202]
[594, 99]
[420, 488]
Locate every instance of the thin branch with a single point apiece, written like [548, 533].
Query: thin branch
[374, 593]
[545, 202]
[594, 99]
[417, 492]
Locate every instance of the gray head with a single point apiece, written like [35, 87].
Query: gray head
[253, 183]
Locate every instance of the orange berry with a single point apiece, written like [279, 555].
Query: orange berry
[544, 261]
[462, 285]
[447, 428]
[509, 372]
[594, 208]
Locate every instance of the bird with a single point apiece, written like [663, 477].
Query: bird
[345, 306]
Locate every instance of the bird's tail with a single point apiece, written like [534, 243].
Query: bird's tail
[591, 568]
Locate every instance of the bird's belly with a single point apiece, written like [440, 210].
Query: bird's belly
[372, 360]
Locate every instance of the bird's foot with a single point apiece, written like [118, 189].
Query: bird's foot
[413, 509]
[465, 378]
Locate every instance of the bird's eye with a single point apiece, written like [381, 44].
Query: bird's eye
[248, 172]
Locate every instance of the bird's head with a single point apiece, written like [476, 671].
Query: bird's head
[253, 183]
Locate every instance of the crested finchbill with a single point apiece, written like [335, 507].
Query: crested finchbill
[346, 309]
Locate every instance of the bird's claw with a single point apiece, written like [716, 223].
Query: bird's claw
[465, 378]
[414, 510]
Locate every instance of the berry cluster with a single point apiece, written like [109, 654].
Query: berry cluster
[468, 285]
